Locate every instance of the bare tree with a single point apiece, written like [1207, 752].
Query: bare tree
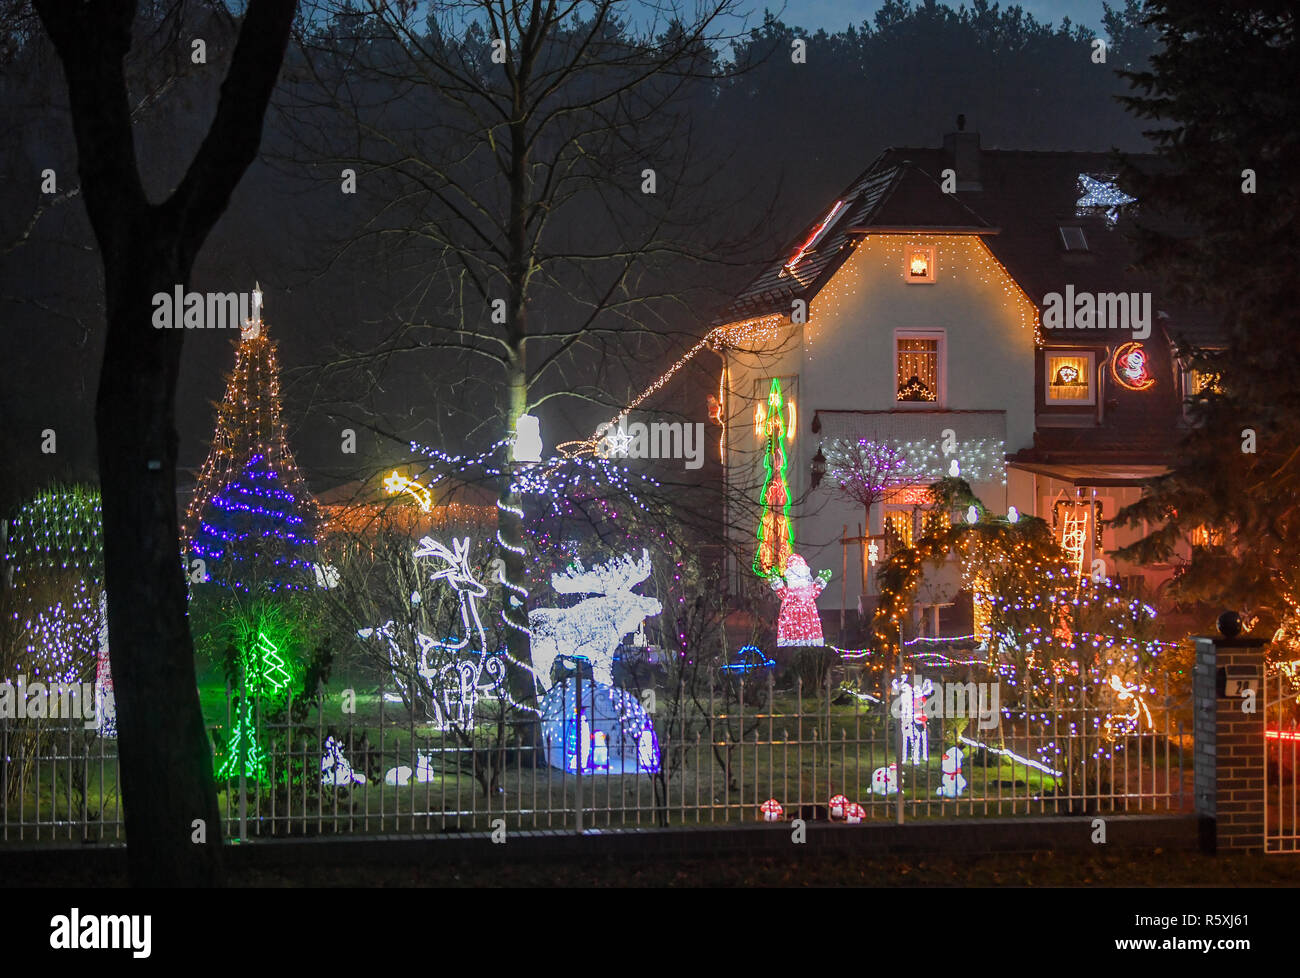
[147, 248]
[535, 214]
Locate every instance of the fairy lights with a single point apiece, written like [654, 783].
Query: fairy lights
[775, 531]
[816, 236]
[249, 424]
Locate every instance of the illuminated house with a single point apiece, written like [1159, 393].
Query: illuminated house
[931, 327]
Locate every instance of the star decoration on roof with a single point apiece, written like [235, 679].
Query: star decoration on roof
[1101, 195]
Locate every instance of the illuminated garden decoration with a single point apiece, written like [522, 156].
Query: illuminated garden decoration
[607, 726]
[251, 519]
[54, 553]
[592, 628]
[774, 423]
[799, 623]
[242, 753]
[1058, 644]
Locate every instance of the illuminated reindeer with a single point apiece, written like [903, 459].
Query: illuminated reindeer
[593, 627]
[456, 685]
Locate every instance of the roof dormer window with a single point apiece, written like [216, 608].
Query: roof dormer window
[1073, 238]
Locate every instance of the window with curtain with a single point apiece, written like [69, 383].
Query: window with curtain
[1069, 378]
[918, 369]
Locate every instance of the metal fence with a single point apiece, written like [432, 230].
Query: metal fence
[1282, 770]
[719, 755]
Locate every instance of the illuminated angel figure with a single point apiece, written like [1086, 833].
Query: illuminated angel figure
[1126, 724]
[799, 623]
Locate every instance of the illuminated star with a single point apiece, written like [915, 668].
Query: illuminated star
[1101, 194]
[620, 442]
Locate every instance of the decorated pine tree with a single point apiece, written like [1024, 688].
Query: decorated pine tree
[251, 520]
[1232, 174]
[775, 533]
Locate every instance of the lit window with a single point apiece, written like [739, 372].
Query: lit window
[919, 368]
[898, 529]
[905, 525]
[1070, 378]
[1203, 536]
[919, 265]
[1202, 382]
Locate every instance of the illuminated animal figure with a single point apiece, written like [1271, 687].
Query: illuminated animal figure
[885, 780]
[952, 784]
[593, 627]
[909, 708]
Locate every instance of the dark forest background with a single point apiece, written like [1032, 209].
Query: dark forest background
[762, 146]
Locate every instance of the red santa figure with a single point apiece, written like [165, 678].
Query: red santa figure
[799, 623]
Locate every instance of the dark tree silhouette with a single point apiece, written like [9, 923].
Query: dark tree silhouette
[147, 248]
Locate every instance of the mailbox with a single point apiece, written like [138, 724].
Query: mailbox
[1234, 681]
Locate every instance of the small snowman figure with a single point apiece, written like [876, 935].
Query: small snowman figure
[885, 780]
[952, 784]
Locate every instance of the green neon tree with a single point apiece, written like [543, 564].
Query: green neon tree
[775, 533]
[243, 754]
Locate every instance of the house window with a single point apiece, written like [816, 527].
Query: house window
[1073, 239]
[1070, 377]
[905, 525]
[919, 368]
[1203, 536]
[919, 265]
[1201, 382]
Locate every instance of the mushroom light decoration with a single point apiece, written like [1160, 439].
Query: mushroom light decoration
[771, 810]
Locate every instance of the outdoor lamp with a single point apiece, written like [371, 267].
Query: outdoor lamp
[818, 467]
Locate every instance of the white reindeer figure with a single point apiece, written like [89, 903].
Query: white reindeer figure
[457, 685]
[593, 627]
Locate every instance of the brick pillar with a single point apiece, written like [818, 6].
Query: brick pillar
[1229, 743]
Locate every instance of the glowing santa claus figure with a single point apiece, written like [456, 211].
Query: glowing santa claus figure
[799, 623]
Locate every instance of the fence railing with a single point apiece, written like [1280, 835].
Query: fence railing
[1282, 766]
[717, 756]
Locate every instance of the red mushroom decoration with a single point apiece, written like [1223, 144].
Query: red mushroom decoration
[854, 813]
[771, 810]
[837, 806]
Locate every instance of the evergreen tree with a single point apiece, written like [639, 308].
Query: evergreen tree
[251, 519]
[1223, 90]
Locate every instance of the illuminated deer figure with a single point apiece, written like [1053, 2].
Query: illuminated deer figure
[457, 685]
[593, 627]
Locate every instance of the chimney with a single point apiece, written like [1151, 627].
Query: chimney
[961, 151]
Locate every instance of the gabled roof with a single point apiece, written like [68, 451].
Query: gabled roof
[1022, 201]
[882, 197]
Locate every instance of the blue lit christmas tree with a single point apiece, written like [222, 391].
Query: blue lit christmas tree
[251, 519]
[255, 534]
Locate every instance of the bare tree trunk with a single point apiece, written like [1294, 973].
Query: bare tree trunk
[165, 758]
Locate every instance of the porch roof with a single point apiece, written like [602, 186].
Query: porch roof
[1094, 474]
